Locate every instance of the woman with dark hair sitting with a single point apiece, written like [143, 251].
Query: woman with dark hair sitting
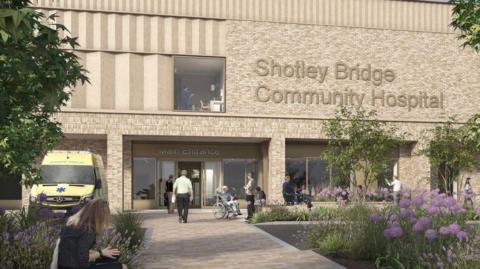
[78, 238]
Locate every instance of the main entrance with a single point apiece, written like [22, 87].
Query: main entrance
[194, 173]
[209, 166]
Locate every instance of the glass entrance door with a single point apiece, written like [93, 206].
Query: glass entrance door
[194, 174]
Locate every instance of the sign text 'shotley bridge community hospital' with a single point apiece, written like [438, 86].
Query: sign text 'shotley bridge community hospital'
[344, 97]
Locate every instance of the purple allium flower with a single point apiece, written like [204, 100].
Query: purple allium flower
[2, 211]
[42, 197]
[422, 224]
[375, 217]
[478, 211]
[425, 221]
[440, 264]
[393, 231]
[406, 195]
[407, 212]
[462, 236]
[404, 203]
[450, 202]
[430, 234]
[432, 210]
[396, 231]
[444, 230]
[454, 228]
[418, 201]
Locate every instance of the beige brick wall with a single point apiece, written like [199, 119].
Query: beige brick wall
[422, 62]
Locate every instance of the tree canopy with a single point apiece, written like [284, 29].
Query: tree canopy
[466, 19]
[451, 149]
[359, 143]
[37, 65]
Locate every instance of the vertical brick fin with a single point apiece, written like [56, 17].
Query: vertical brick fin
[136, 82]
[93, 89]
[108, 81]
[122, 82]
[150, 82]
[79, 96]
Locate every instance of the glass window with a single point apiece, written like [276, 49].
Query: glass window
[167, 170]
[144, 173]
[296, 169]
[212, 181]
[235, 174]
[390, 171]
[72, 174]
[318, 176]
[199, 84]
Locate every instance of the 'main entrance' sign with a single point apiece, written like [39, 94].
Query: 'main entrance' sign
[345, 97]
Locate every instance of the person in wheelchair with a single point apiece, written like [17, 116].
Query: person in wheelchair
[230, 200]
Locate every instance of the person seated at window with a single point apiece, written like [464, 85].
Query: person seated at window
[228, 198]
[185, 99]
[261, 197]
[299, 194]
[288, 190]
[78, 238]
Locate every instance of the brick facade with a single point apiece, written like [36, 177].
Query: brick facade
[423, 60]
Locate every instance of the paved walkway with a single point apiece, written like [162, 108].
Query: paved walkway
[208, 243]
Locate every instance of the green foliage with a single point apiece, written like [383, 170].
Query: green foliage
[359, 143]
[129, 224]
[276, 213]
[37, 65]
[466, 19]
[451, 149]
[332, 244]
[127, 236]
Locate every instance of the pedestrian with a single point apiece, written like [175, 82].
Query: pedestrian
[288, 190]
[183, 193]
[342, 196]
[261, 199]
[468, 193]
[79, 236]
[250, 195]
[397, 189]
[169, 190]
[360, 194]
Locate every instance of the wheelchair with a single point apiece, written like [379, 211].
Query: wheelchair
[222, 210]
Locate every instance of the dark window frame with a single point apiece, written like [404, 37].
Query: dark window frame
[224, 110]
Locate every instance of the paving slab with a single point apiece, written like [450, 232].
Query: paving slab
[205, 242]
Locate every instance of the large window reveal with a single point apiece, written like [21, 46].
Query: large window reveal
[199, 84]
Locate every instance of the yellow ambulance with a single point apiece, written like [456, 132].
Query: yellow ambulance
[69, 178]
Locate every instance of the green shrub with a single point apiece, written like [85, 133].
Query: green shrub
[129, 225]
[332, 244]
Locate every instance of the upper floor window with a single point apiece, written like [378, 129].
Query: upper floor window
[199, 84]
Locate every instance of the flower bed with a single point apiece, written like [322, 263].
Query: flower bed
[427, 230]
[28, 238]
